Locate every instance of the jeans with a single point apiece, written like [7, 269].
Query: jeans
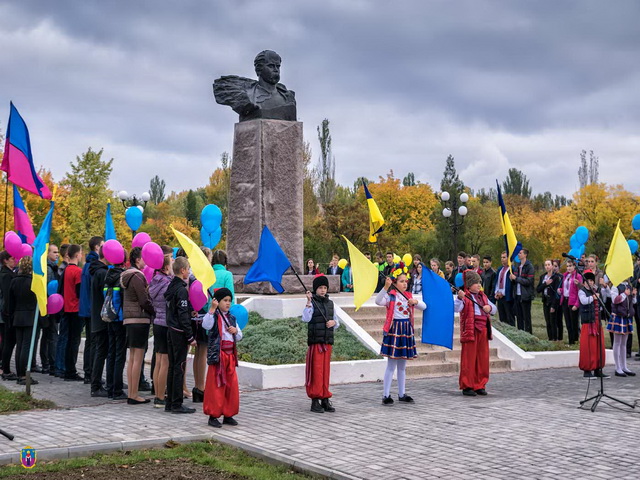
[61, 347]
[553, 321]
[100, 349]
[571, 320]
[523, 309]
[74, 325]
[116, 356]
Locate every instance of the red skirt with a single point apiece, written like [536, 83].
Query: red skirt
[590, 336]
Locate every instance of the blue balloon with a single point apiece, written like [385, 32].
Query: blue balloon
[459, 280]
[241, 314]
[573, 241]
[581, 250]
[517, 259]
[175, 251]
[211, 217]
[635, 223]
[575, 252]
[633, 246]
[582, 234]
[210, 240]
[52, 287]
[133, 216]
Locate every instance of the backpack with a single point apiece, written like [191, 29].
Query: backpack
[109, 312]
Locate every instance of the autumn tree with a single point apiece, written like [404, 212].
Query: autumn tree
[588, 174]
[443, 241]
[409, 180]
[85, 205]
[326, 165]
[516, 183]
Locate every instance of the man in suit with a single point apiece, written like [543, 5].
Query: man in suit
[333, 268]
[524, 290]
[502, 292]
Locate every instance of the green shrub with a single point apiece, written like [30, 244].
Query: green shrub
[528, 342]
[284, 341]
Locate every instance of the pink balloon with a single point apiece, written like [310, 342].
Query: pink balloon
[148, 273]
[54, 303]
[113, 252]
[27, 251]
[13, 244]
[140, 239]
[152, 255]
[196, 296]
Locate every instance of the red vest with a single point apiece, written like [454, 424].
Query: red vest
[469, 321]
[391, 308]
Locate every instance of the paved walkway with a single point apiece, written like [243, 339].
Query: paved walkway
[528, 427]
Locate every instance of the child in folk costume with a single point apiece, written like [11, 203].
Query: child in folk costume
[475, 332]
[398, 342]
[221, 394]
[592, 355]
[318, 315]
[621, 325]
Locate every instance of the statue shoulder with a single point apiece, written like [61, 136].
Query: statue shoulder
[289, 94]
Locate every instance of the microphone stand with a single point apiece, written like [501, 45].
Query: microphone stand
[600, 395]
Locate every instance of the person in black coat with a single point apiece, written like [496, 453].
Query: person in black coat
[99, 332]
[523, 281]
[22, 308]
[548, 287]
[8, 331]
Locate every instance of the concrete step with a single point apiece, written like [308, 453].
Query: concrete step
[423, 368]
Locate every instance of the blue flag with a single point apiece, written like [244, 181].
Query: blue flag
[437, 320]
[109, 229]
[270, 264]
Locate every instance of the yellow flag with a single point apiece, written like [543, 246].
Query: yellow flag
[365, 275]
[375, 217]
[198, 261]
[619, 264]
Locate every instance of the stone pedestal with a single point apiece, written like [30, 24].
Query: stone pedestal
[289, 282]
[266, 189]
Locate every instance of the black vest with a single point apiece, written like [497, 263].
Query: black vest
[588, 312]
[317, 328]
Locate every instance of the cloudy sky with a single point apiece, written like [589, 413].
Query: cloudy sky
[497, 84]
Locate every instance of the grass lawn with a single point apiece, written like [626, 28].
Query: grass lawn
[284, 341]
[200, 460]
[539, 341]
[17, 401]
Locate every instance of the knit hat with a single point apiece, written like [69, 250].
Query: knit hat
[471, 278]
[320, 281]
[589, 275]
[220, 293]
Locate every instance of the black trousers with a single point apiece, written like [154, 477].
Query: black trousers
[87, 355]
[571, 318]
[116, 356]
[100, 349]
[523, 312]
[178, 349]
[8, 344]
[23, 343]
[75, 324]
[505, 311]
[49, 343]
[553, 321]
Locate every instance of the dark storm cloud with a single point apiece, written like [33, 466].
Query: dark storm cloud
[496, 84]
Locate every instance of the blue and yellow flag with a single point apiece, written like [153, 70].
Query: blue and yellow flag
[40, 252]
[365, 275]
[375, 217]
[200, 266]
[511, 243]
[109, 229]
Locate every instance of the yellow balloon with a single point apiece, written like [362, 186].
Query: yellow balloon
[407, 259]
[342, 263]
[396, 258]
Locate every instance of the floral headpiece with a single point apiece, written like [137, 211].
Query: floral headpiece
[399, 269]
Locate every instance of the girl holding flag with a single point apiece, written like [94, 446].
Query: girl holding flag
[398, 341]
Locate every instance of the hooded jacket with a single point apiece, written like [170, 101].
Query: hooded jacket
[137, 307]
[22, 301]
[179, 308]
[85, 285]
[98, 273]
[157, 288]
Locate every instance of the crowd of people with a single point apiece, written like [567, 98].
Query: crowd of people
[117, 306]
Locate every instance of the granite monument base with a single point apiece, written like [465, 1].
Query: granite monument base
[289, 282]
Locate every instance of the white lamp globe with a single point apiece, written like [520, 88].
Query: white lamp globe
[445, 196]
[446, 213]
[139, 207]
[464, 198]
[462, 210]
[123, 195]
[145, 197]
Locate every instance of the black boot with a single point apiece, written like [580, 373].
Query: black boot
[326, 405]
[316, 407]
[197, 395]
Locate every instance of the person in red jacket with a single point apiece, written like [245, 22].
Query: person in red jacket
[475, 332]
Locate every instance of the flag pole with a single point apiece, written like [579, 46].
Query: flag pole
[305, 289]
[33, 341]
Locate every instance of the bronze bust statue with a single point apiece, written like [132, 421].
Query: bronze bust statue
[265, 98]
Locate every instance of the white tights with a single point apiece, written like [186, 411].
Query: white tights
[620, 352]
[392, 364]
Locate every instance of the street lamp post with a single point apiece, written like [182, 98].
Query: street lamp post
[134, 201]
[452, 212]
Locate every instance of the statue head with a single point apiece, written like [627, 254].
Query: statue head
[267, 65]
